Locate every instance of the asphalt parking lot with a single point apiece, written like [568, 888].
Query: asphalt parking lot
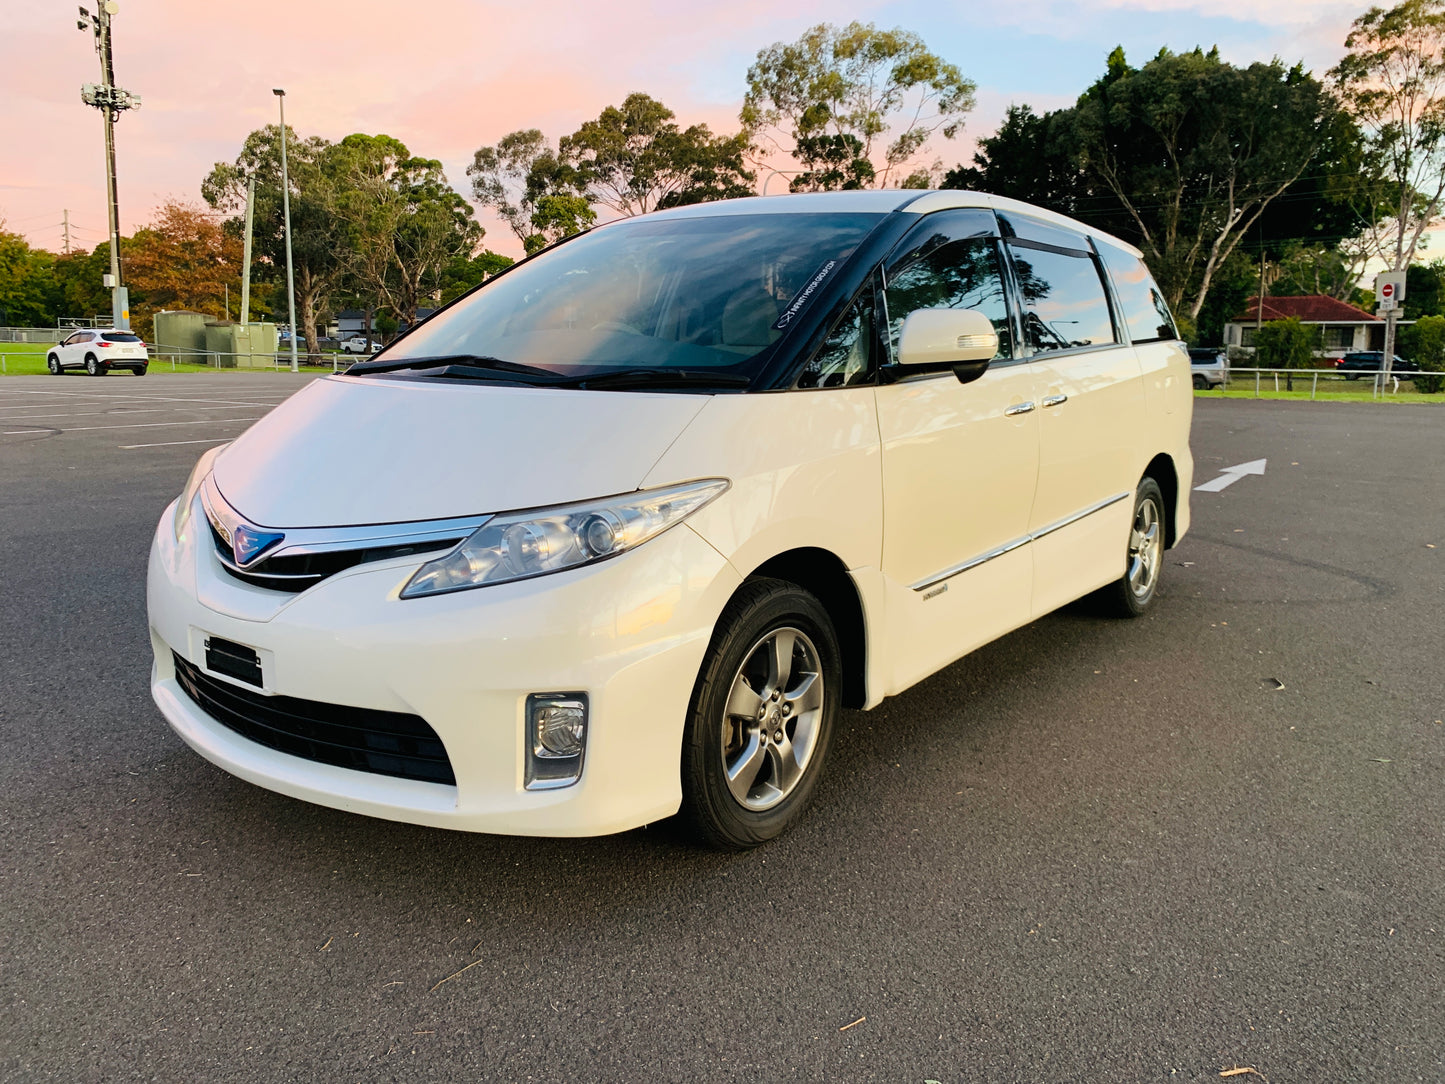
[1092, 851]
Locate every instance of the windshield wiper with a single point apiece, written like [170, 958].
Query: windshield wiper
[466, 365]
[661, 378]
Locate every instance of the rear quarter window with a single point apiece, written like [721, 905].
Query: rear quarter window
[1146, 313]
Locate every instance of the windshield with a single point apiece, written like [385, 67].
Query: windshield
[710, 293]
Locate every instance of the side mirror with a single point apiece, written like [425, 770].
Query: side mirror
[933, 340]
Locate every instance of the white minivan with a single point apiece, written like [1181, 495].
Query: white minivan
[623, 528]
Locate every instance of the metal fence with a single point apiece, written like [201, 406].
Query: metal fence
[1382, 384]
[33, 334]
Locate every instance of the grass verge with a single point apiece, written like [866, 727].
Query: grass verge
[28, 359]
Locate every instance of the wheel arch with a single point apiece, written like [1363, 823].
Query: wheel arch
[1161, 468]
[823, 574]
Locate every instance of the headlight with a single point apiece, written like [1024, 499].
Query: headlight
[193, 484]
[520, 545]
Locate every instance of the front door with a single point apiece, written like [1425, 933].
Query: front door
[959, 460]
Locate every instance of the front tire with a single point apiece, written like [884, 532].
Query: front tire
[53, 364]
[1201, 384]
[761, 717]
[1133, 594]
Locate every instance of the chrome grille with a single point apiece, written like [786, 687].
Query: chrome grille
[306, 556]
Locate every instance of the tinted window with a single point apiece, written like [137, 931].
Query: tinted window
[846, 357]
[938, 271]
[121, 337]
[1146, 314]
[1063, 299]
[693, 293]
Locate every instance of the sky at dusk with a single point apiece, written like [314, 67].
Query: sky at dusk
[446, 76]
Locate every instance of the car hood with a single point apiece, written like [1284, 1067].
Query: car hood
[346, 450]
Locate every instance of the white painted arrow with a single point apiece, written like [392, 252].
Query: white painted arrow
[1232, 475]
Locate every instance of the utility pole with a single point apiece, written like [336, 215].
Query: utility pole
[111, 101]
[286, 210]
[246, 252]
[65, 226]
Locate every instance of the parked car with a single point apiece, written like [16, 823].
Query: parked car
[641, 514]
[1208, 366]
[1369, 361]
[360, 344]
[98, 351]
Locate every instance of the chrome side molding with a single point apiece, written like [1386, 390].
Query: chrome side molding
[1009, 547]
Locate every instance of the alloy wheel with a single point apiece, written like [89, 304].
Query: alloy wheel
[771, 719]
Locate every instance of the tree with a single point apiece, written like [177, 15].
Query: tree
[317, 233]
[1027, 159]
[404, 223]
[1186, 157]
[1317, 269]
[855, 81]
[1287, 344]
[1195, 150]
[1392, 81]
[834, 163]
[463, 273]
[182, 260]
[26, 282]
[1424, 342]
[1425, 289]
[520, 172]
[79, 288]
[634, 159]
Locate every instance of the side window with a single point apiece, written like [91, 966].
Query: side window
[1065, 305]
[846, 356]
[962, 274]
[1146, 314]
[73, 339]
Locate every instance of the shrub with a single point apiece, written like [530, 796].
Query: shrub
[1424, 342]
[1287, 344]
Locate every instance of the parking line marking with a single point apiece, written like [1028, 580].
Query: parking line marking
[169, 443]
[169, 398]
[78, 414]
[133, 425]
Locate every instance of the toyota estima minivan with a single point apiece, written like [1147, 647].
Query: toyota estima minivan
[620, 531]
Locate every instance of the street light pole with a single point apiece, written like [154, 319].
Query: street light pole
[286, 212]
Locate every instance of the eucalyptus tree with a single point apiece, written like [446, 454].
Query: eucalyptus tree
[855, 104]
[318, 236]
[635, 158]
[1392, 81]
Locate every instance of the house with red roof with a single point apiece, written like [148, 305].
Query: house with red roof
[1345, 328]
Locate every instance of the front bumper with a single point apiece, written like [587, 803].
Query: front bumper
[630, 632]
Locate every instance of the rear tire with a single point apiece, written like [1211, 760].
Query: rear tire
[141, 370]
[1201, 384]
[93, 365]
[761, 717]
[1134, 593]
[53, 364]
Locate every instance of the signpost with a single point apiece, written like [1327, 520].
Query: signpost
[1390, 294]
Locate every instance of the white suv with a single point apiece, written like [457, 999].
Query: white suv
[639, 516]
[99, 350]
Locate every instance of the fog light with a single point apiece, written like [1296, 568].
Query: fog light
[556, 739]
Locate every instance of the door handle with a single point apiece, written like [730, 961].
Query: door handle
[1055, 400]
[1018, 408]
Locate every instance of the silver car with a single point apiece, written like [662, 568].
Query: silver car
[1209, 366]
